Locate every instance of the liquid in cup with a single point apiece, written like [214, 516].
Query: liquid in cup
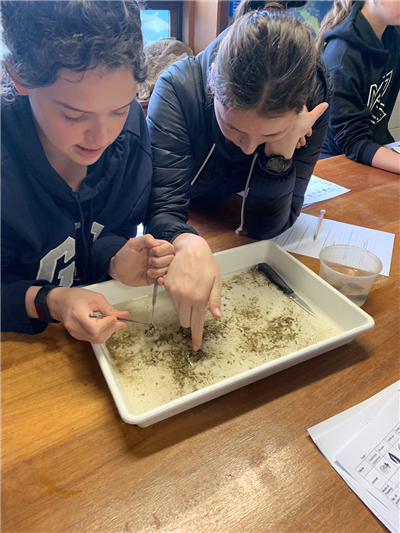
[349, 269]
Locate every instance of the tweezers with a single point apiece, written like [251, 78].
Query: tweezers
[99, 315]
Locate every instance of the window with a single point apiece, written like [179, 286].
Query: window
[161, 19]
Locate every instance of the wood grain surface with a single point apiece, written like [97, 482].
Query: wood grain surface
[241, 463]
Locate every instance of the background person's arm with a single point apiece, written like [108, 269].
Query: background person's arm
[386, 159]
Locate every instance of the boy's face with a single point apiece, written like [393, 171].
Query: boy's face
[79, 115]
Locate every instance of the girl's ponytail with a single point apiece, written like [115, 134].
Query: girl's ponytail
[339, 12]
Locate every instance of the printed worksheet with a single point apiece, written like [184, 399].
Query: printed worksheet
[319, 190]
[299, 238]
[372, 458]
[357, 443]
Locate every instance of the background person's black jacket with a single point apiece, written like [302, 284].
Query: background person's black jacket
[366, 78]
[183, 129]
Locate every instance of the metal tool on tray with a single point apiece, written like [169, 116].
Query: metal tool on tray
[99, 315]
[153, 301]
[136, 322]
[275, 278]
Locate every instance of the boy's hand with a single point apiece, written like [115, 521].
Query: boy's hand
[72, 308]
[141, 260]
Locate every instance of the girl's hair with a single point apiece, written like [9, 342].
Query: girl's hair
[45, 36]
[339, 12]
[251, 5]
[267, 62]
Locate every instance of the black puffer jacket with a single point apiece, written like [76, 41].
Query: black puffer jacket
[183, 130]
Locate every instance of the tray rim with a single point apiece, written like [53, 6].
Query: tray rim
[242, 379]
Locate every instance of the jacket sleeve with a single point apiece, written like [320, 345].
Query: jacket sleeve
[172, 152]
[274, 202]
[350, 116]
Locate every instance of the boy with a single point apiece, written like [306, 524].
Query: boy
[76, 164]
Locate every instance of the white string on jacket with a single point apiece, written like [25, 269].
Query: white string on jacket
[204, 164]
[240, 228]
[246, 190]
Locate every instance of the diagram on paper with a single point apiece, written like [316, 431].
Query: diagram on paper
[373, 456]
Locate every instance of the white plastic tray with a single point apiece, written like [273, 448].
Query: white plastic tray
[305, 283]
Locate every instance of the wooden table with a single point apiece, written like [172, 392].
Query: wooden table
[241, 463]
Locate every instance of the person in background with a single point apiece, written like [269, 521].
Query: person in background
[249, 113]
[76, 165]
[360, 44]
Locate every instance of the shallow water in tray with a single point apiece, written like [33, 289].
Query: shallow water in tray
[259, 324]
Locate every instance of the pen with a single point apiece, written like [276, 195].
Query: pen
[321, 216]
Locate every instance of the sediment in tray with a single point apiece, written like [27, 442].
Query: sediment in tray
[259, 324]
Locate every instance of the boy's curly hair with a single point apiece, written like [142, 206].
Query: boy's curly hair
[45, 36]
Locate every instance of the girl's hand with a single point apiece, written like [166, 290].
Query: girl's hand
[193, 281]
[72, 308]
[141, 260]
[295, 137]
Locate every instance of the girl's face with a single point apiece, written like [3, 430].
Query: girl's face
[79, 115]
[390, 11]
[382, 13]
[248, 130]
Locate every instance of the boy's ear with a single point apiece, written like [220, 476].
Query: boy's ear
[20, 89]
[17, 82]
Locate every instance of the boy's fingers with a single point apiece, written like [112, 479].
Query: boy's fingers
[163, 249]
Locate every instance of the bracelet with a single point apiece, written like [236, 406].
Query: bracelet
[41, 306]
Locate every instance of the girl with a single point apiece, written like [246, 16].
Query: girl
[234, 118]
[362, 52]
[76, 164]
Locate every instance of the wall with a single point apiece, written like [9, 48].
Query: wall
[202, 21]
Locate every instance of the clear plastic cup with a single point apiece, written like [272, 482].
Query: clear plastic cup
[350, 269]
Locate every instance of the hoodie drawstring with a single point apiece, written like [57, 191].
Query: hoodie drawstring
[240, 228]
[203, 165]
[246, 190]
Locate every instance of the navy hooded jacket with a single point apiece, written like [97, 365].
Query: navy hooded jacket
[366, 81]
[53, 235]
[184, 135]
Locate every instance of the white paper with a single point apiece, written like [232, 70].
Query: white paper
[372, 458]
[344, 440]
[299, 238]
[319, 190]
